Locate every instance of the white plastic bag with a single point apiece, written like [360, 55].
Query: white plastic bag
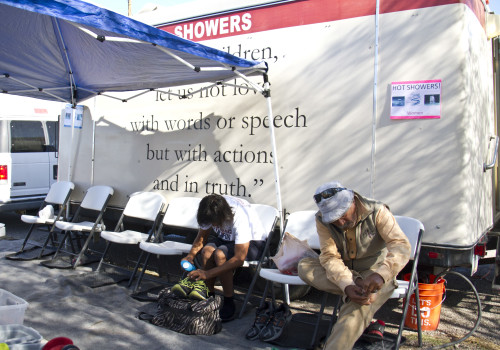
[291, 251]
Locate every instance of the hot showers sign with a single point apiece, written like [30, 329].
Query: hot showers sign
[416, 99]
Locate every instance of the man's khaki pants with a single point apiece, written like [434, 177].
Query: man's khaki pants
[353, 318]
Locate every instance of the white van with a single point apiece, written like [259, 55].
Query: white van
[28, 151]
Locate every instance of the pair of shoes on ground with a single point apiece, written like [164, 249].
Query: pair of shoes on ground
[188, 288]
[198, 290]
[375, 331]
[269, 322]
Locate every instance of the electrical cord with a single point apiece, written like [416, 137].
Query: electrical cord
[478, 311]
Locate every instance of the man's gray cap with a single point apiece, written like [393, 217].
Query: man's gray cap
[334, 207]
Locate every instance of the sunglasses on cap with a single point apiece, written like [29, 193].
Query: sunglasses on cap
[329, 192]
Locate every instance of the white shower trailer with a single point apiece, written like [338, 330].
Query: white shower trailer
[396, 99]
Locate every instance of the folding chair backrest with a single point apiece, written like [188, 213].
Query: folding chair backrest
[182, 212]
[96, 197]
[411, 227]
[144, 205]
[268, 215]
[302, 224]
[59, 191]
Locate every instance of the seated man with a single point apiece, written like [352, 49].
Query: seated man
[362, 251]
[230, 233]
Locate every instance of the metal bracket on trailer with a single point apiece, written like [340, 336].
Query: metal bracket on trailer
[495, 284]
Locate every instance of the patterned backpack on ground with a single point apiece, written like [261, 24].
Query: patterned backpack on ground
[186, 315]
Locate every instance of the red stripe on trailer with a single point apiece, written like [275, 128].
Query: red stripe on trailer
[299, 13]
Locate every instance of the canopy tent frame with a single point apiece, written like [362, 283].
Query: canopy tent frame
[72, 81]
[254, 87]
[101, 38]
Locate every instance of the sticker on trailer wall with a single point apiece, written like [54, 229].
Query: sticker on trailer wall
[67, 116]
[79, 117]
[416, 99]
[77, 114]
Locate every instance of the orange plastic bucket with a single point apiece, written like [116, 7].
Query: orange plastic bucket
[431, 297]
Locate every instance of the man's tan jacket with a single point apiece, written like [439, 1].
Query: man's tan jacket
[376, 243]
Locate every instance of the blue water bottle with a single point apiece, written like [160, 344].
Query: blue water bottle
[186, 265]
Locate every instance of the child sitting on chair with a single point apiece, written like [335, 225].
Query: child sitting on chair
[230, 233]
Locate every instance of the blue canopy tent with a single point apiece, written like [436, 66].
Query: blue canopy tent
[71, 51]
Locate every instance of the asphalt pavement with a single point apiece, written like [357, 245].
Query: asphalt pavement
[106, 318]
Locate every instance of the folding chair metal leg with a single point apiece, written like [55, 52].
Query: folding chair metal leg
[273, 293]
[45, 243]
[27, 236]
[135, 269]
[66, 234]
[84, 248]
[419, 316]
[286, 294]
[50, 237]
[249, 293]
[141, 275]
[412, 290]
[108, 244]
[335, 311]
[265, 253]
[264, 294]
[263, 299]
[318, 321]
[334, 317]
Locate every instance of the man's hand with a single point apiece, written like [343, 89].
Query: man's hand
[371, 284]
[357, 295]
[198, 274]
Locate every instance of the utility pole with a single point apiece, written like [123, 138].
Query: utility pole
[129, 8]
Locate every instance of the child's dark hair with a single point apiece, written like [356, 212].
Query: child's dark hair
[214, 210]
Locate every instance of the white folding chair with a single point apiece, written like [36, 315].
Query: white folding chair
[414, 230]
[142, 207]
[268, 216]
[181, 212]
[301, 224]
[93, 206]
[58, 196]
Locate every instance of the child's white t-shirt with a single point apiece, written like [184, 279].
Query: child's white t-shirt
[246, 225]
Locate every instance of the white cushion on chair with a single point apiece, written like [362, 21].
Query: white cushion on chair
[124, 237]
[275, 275]
[77, 226]
[47, 212]
[31, 219]
[165, 248]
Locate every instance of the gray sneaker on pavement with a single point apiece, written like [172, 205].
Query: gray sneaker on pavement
[281, 317]
[262, 317]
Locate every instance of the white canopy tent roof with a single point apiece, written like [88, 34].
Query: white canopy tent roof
[70, 51]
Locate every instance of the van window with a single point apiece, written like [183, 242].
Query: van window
[26, 136]
[52, 130]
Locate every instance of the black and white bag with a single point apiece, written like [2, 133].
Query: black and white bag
[188, 316]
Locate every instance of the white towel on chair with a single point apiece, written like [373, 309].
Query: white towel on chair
[47, 212]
